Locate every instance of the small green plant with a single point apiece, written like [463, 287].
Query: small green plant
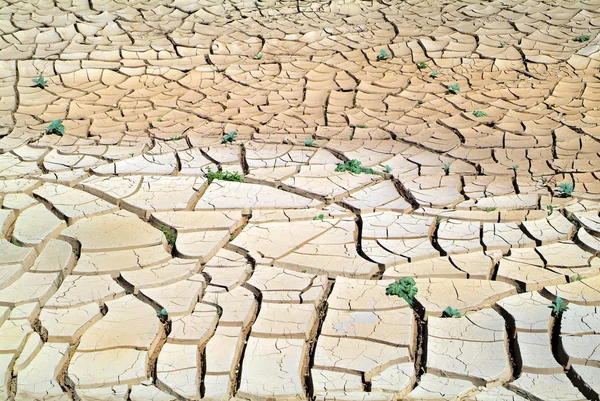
[405, 288]
[40, 82]
[582, 38]
[489, 209]
[170, 235]
[438, 220]
[550, 209]
[56, 127]
[558, 306]
[354, 166]
[219, 311]
[319, 217]
[259, 56]
[174, 138]
[304, 271]
[387, 168]
[361, 126]
[163, 315]
[479, 113]
[454, 89]
[351, 137]
[309, 142]
[565, 189]
[451, 312]
[434, 74]
[446, 168]
[503, 44]
[383, 55]
[230, 137]
[160, 120]
[223, 175]
[421, 65]
[515, 167]
[579, 277]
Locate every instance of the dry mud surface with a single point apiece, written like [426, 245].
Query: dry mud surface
[264, 301]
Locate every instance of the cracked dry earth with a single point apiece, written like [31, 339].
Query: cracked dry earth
[265, 302]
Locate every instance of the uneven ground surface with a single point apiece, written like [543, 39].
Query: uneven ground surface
[264, 301]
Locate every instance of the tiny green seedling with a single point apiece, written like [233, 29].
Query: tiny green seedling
[351, 137]
[163, 315]
[503, 44]
[174, 138]
[438, 220]
[319, 217]
[421, 65]
[579, 277]
[454, 89]
[40, 82]
[223, 175]
[582, 38]
[219, 311]
[259, 56]
[383, 55]
[387, 169]
[451, 312]
[489, 209]
[309, 142]
[565, 189]
[304, 271]
[434, 74]
[353, 166]
[56, 127]
[550, 209]
[515, 167]
[170, 235]
[160, 120]
[558, 306]
[230, 137]
[405, 288]
[446, 168]
[362, 126]
[479, 113]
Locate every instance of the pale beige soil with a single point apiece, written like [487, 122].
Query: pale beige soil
[275, 286]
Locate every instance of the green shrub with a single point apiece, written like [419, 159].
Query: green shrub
[565, 189]
[558, 306]
[230, 137]
[454, 89]
[582, 38]
[163, 315]
[223, 175]
[434, 74]
[56, 127]
[479, 113]
[170, 235]
[310, 142]
[40, 82]
[405, 288]
[421, 65]
[319, 217]
[383, 55]
[354, 166]
[451, 312]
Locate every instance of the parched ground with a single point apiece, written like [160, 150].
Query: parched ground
[275, 287]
